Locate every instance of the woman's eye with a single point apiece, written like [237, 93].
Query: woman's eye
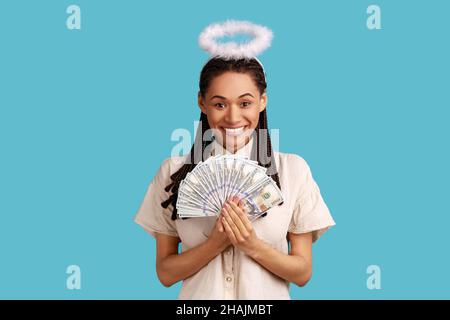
[220, 105]
[246, 103]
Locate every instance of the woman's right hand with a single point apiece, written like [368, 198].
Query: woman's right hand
[218, 236]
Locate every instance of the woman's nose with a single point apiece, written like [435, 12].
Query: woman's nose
[233, 114]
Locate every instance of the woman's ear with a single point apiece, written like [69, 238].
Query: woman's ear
[201, 103]
[263, 102]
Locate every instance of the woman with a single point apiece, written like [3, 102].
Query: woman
[229, 257]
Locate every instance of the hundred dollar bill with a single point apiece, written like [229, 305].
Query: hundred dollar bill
[261, 199]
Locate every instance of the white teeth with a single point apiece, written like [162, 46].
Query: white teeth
[234, 131]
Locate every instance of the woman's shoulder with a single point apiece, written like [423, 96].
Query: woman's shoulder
[295, 171]
[292, 161]
[171, 164]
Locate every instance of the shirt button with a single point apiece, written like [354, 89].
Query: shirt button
[229, 279]
[229, 252]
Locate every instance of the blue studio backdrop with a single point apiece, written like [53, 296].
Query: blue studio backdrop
[86, 117]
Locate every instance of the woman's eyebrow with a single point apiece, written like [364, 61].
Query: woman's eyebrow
[242, 95]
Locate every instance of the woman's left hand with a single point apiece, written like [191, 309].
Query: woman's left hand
[238, 227]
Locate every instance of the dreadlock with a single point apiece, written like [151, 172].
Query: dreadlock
[213, 68]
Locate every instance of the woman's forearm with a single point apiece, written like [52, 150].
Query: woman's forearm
[176, 267]
[293, 268]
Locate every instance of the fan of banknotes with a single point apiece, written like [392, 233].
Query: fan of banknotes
[206, 188]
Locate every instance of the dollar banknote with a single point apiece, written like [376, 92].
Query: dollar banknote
[205, 189]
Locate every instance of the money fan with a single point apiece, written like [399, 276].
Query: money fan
[206, 188]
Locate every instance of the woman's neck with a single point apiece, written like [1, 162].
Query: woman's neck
[235, 148]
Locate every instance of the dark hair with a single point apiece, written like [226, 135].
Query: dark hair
[213, 68]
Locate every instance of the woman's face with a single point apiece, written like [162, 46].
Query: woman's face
[232, 104]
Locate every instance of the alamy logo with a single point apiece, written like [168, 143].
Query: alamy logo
[73, 21]
[374, 18]
[73, 281]
[374, 279]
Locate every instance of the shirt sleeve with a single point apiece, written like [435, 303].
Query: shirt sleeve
[151, 215]
[311, 214]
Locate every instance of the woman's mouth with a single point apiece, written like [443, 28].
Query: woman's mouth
[233, 132]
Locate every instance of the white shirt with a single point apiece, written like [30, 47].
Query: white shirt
[233, 274]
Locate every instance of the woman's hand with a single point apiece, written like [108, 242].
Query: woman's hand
[218, 238]
[238, 227]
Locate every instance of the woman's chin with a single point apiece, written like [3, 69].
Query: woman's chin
[232, 142]
[235, 143]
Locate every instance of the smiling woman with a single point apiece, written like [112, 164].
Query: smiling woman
[232, 104]
[228, 256]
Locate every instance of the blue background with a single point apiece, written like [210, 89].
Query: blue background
[86, 117]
